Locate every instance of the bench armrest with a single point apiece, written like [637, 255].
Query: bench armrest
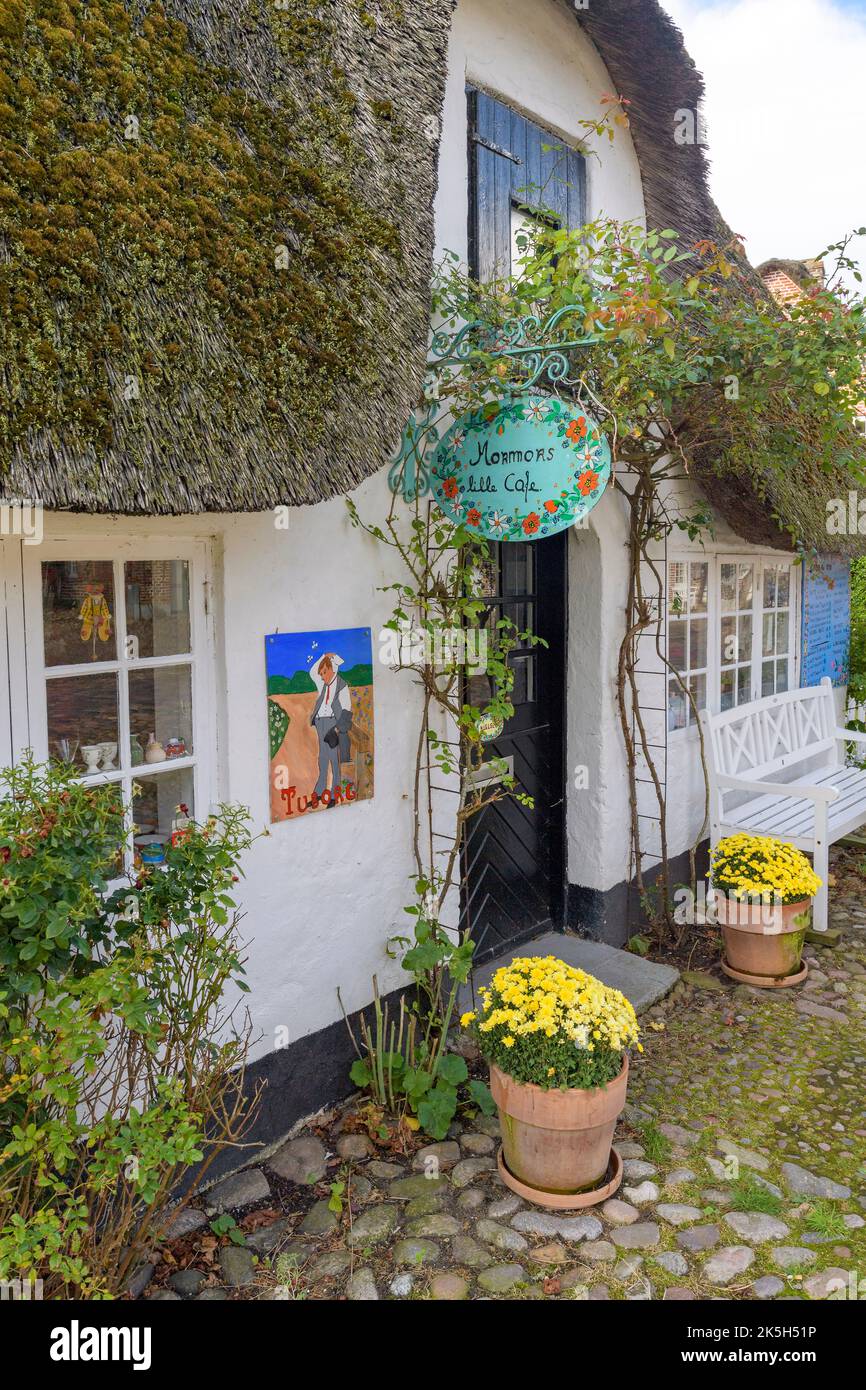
[740, 784]
[851, 734]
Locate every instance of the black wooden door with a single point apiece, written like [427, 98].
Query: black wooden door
[514, 855]
[514, 859]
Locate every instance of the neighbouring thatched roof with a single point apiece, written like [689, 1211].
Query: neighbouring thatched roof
[804, 274]
[216, 233]
[645, 54]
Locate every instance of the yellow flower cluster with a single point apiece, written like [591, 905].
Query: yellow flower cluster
[757, 865]
[541, 994]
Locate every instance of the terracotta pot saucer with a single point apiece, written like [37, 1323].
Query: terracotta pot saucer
[565, 1201]
[766, 981]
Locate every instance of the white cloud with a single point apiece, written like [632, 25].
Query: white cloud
[786, 117]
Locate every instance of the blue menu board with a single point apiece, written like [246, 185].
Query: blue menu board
[826, 620]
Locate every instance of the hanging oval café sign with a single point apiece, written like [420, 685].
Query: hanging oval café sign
[522, 468]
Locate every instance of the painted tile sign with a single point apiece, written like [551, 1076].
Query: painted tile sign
[826, 621]
[320, 720]
[521, 469]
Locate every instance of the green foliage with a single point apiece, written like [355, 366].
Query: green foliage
[826, 1218]
[123, 1063]
[747, 1194]
[689, 356]
[479, 1092]
[857, 679]
[225, 1225]
[656, 1145]
[58, 847]
[336, 1198]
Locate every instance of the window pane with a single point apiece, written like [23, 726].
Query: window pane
[770, 574]
[677, 644]
[727, 690]
[157, 607]
[769, 636]
[522, 691]
[82, 721]
[156, 804]
[747, 581]
[698, 643]
[520, 614]
[677, 595]
[744, 684]
[698, 687]
[78, 611]
[782, 674]
[744, 646]
[768, 675]
[517, 568]
[783, 591]
[728, 640]
[677, 703]
[160, 703]
[699, 572]
[782, 634]
[729, 588]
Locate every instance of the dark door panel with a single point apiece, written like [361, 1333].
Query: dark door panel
[514, 854]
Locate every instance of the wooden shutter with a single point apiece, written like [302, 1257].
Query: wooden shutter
[515, 163]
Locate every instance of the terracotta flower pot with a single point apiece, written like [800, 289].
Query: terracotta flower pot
[557, 1141]
[764, 941]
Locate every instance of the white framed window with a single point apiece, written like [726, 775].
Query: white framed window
[119, 672]
[688, 638]
[732, 623]
[736, 632]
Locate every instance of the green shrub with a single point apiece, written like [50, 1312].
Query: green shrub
[124, 1060]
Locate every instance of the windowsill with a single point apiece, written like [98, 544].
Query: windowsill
[96, 779]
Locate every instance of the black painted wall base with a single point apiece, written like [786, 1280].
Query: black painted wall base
[298, 1080]
[615, 914]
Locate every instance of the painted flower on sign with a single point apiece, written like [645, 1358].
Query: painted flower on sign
[576, 429]
[587, 482]
[531, 523]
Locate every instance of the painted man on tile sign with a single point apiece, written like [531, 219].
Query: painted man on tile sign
[332, 720]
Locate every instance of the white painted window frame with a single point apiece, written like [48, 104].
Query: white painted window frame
[714, 634]
[25, 684]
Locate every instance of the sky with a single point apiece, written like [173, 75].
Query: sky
[785, 116]
[288, 652]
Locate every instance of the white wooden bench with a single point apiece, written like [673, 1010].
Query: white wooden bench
[782, 761]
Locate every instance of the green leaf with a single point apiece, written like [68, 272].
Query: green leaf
[452, 1068]
[480, 1093]
[360, 1073]
[438, 1110]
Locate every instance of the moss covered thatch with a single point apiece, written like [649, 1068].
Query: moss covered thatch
[215, 246]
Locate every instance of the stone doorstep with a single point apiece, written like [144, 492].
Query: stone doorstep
[643, 982]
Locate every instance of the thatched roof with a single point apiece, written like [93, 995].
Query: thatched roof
[216, 236]
[646, 57]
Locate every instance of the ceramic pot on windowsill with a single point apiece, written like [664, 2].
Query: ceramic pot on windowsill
[764, 940]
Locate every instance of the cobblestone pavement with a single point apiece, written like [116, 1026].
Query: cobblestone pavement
[745, 1174]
